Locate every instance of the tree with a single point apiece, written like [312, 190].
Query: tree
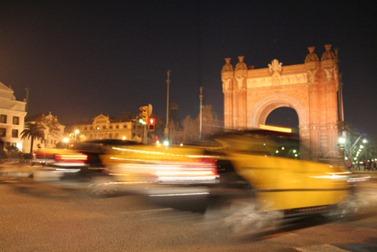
[190, 130]
[211, 125]
[49, 123]
[33, 130]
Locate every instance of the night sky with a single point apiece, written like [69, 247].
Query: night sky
[79, 60]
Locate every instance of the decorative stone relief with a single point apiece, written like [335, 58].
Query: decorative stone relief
[311, 76]
[227, 85]
[275, 67]
[329, 73]
[241, 83]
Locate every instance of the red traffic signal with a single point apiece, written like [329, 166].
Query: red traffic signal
[152, 123]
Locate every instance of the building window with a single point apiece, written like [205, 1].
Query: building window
[117, 126]
[111, 127]
[3, 132]
[125, 126]
[16, 120]
[15, 133]
[3, 118]
[104, 127]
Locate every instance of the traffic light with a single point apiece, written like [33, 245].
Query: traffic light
[152, 123]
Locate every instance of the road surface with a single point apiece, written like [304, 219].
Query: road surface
[63, 217]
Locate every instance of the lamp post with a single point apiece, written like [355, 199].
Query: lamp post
[200, 112]
[349, 148]
[166, 131]
[76, 133]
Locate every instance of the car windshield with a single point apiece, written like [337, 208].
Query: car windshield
[259, 142]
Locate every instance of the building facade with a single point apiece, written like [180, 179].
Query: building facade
[53, 133]
[12, 118]
[103, 127]
[313, 89]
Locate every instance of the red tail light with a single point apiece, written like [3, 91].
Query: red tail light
[212, 164]
[70, 157]
[203, 170]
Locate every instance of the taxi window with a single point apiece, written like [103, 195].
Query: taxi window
[286, 148]
[264, 145]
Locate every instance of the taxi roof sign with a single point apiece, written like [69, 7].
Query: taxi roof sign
[275, 128]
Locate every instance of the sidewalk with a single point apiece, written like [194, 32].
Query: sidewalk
[372, 174]
[16, 168]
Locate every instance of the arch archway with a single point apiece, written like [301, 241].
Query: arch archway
[311, 89]
[283, 117]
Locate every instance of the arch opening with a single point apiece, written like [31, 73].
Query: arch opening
[283, 117]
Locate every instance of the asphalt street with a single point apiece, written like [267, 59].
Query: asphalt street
[37, 216]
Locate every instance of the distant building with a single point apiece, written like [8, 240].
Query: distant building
[53, 133]
[12, 117]
[103, 127]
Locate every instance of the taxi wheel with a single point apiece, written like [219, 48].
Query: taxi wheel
[102, 187]
[242, 217]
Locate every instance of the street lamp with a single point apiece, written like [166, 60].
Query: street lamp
[342, 140]
[166, 143]
[65, 140]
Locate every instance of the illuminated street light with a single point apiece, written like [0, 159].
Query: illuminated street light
[365, 141]
[166, 143]
[142, 121]
[342, 140]
[77, 131]
[65, 140]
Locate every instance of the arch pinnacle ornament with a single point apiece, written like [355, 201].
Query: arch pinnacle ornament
[275, 67]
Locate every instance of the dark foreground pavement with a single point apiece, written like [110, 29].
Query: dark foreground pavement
[45, 217]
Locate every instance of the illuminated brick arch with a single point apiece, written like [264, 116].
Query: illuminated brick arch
[265, 106]
[312, 89]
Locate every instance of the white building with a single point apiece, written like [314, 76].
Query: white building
[53, 133]
[104, 128]
[12, 117]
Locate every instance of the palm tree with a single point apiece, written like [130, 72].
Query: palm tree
[33, 130]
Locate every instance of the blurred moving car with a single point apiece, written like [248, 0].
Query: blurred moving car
[94, 149]
[82, 159]
[62, 158]
[56, 163]
[262, 169]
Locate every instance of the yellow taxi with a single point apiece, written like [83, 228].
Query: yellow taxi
[267, 168]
